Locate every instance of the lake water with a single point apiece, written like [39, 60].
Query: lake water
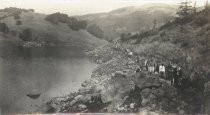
[52, 71]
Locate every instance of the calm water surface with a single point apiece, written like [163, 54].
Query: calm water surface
[52, 71]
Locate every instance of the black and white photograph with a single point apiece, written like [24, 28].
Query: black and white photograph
[98, 57]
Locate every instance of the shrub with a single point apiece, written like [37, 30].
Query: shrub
[77, 24]
[18, 22]
[55, 18]
[4, 28]
[13, 32]
[16, 16]
[95, 30]
[201, 21]
[183, 20]
[26, 35]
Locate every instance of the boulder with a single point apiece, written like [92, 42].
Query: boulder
[145, 92]
[158, 92]
[78, 97]
[132, 105]
[82, 106]
[72, 102]
[144, 81]
[116, 88]
[144, 101]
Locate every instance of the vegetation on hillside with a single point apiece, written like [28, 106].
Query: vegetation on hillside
[95, 30]
[73, 23]
[184, 41]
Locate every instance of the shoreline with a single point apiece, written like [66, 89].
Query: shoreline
[114, 86]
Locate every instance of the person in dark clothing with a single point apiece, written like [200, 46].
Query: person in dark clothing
[169, 73]
[138, 70]
[157, 68]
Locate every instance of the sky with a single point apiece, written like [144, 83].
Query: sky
[81, 7]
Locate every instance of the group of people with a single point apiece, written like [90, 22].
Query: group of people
[169, 71]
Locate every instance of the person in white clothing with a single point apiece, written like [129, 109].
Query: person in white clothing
[162, 70]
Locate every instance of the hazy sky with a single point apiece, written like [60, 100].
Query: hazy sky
[78, 7]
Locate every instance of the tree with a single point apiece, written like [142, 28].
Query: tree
[4, 28]
[194, 7]
[26, 35]
[95, 30]
[206, 7]
[55, 18]
[75, 24]
[18, 22]
[185, 9]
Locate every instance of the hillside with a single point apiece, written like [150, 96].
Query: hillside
[23, 24]
[131, 19]
[122, 84]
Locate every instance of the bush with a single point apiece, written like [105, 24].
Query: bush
[26, 35]
[18, 22]
[16, 16]
[184, 20]
[77, 24]
[95, 30]
[125, 37]
[201, 21]
[4, 28]
[55, 18]
[13, 32]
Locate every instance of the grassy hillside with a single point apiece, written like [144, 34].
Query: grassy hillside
[44, 31]
[131, 19]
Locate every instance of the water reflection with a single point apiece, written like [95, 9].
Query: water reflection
[52, 71]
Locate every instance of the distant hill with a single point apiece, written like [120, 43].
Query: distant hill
[37, 28]
[131, 19]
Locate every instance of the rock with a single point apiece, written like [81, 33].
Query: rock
[144, 81]
[82, 106]
[151, 96]
[84, 89]
[85, 84]
[78, 97]
[153, 105]
[72, 102]
[132, 105]
[144, 101]
[46, 109]
[86, 98]
[158, 92]
[181, 112]
[145, 92]
[119, 74]
[116, 88]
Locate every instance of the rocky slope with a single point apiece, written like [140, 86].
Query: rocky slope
[115, 86]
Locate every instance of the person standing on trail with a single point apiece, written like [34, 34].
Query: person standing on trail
[175, 77]
[151, 67]
[169, 73]
[179, 75]
[162, 71]
[156, 69]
